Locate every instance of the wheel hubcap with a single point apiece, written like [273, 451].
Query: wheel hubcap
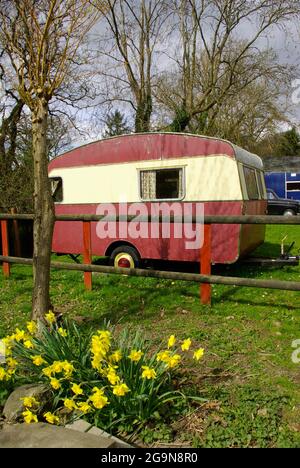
[124, 260]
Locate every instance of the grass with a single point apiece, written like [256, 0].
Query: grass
[247, 374]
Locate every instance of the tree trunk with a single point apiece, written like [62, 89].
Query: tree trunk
[43, 213]
[143, 115]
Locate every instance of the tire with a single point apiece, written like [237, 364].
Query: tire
[124, 256]
[289, 213]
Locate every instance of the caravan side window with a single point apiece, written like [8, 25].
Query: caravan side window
[251, 183]
[261, 184]
[162, 184]
[56, 189]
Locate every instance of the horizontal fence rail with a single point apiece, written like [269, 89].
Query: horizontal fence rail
[205, 279]
[244, 219]
[170, 275]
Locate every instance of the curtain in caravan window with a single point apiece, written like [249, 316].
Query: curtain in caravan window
[180, 184]
[148, 185]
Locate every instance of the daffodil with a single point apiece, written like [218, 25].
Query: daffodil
[51, 418]
[32, 327]
[148, 373]
[70, 404]
[163, 356]
[38, 360]
[76, 389]
[48, 371]
[135, 355]
[62, 332]
[84, 407]
[29, 417]
[28, 344]
[116, 356]
[8, 340]
[57, 366]
[198, 354]
[12, 363]
[120, 390]
[30, 402]
[2, 374]
[55, 383]
[171, 341]
[98, 398]
[100, 347]
[68, 369]
[19, 335]
[50, 317]
[173, 361]
[186, 344]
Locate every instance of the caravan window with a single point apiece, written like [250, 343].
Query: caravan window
[260, 179]
[163, 184]
[251, 183]
[293, 186]
[56, 189]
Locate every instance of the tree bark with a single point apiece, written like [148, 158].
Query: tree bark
[143, 115]
[43, 213]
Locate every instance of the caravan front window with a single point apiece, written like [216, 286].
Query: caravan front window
[56, 189]
[251, 183]
[162, 184]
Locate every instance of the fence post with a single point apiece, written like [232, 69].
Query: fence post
[205, 265]
[17, 242]
[87, 253]
[5, 246]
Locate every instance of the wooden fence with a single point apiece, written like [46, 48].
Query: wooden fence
[205, 278]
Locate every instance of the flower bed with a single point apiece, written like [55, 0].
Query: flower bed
[113, 380]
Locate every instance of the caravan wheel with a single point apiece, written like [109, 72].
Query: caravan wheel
[124, 257]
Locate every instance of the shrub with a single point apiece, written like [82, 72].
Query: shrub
[114, 380]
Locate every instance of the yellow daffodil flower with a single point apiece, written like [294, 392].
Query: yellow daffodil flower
[2, 374]
[12, 363]
[55, 383]
[76, 389]
[112, 377]
[29, 417]
[84, 407]
[32, 327]
[148, 373]
[116, 356]
[19, 335]
[51, 418]
[70, 404]
[62, 332]
[48, 371]
[50, 317]
[198, 354]
[171, 341]
[163, 356]
[135, 355]
[173, 361]
[98, 399]
[186, 344]
[57, 367]
[38, 360]
[28, 344]
[30, 402]
[68, 369]
[120, 390]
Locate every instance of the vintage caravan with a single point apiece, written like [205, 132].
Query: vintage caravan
[178, 170]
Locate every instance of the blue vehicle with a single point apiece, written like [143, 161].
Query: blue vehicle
[284, 184]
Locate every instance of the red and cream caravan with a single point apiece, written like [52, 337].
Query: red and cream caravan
[177, 169]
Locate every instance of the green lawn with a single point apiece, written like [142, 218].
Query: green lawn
[247, 374]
